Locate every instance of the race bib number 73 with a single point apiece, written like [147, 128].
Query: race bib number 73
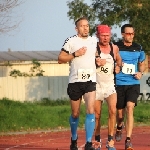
[128, 68]
[85, 74]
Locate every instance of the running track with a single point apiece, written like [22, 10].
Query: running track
[60, 140]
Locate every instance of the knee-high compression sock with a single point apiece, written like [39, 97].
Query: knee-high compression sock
[74, 125]
[89, 126]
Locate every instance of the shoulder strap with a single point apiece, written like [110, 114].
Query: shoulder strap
[111, 51]
[98, 49]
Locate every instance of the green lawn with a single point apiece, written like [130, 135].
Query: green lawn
[17, 116]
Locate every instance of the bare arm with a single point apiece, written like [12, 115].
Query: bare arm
[141, 66]
[118, 61]
[118, 58]
[64, 57]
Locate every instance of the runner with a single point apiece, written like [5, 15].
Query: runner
[107, 58]
[127, 81]
[79, 51]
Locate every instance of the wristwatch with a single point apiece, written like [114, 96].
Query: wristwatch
[73, 54]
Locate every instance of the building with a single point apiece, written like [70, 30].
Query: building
[22, 61]
[52, 85]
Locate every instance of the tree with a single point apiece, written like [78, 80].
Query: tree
[35, 70]
[114, 13]
[7, 21]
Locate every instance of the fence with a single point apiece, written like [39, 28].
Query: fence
[34, 88]
[52, 87]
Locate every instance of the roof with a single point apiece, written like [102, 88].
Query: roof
[29, 55]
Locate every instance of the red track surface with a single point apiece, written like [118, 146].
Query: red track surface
[61, 140]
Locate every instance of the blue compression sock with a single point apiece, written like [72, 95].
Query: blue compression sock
[89, 126]
[73, 124]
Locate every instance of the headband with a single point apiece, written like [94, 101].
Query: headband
[103, 29]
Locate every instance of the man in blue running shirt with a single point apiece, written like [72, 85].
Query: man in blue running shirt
[127, 81]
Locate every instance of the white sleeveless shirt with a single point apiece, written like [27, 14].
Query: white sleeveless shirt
[105, 74]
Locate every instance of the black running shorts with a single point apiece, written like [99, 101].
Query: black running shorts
[77, 89]
[127, 93]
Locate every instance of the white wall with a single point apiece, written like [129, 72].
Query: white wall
[34, 88]
[53, 87]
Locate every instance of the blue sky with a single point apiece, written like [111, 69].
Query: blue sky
[44, 26]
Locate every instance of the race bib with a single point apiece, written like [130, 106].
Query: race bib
[128, 68]
[106, 69]
[85, 74]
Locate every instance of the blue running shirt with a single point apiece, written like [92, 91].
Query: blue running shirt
[131, 55]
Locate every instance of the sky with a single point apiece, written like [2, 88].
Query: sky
[44, 26]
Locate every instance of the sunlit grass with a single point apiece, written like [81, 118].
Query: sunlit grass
[47, 114]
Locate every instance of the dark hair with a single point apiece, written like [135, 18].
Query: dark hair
[82, 18]
[125, 26]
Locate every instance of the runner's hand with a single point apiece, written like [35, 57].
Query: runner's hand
[81, 51]
[138, 75]
[117, 69]
[100, 62]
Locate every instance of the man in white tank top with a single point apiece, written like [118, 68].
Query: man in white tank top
[108, 62]
[79, 50]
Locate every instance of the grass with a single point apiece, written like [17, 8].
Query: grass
[142, 113]
[47, 114]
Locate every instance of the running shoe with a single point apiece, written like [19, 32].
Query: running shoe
[128, 145]
[97, 145]
[89, 146]
[118, 135]
[73, 145]
[110, 145]
[97, 138]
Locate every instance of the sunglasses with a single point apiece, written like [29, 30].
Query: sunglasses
[129, 34]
